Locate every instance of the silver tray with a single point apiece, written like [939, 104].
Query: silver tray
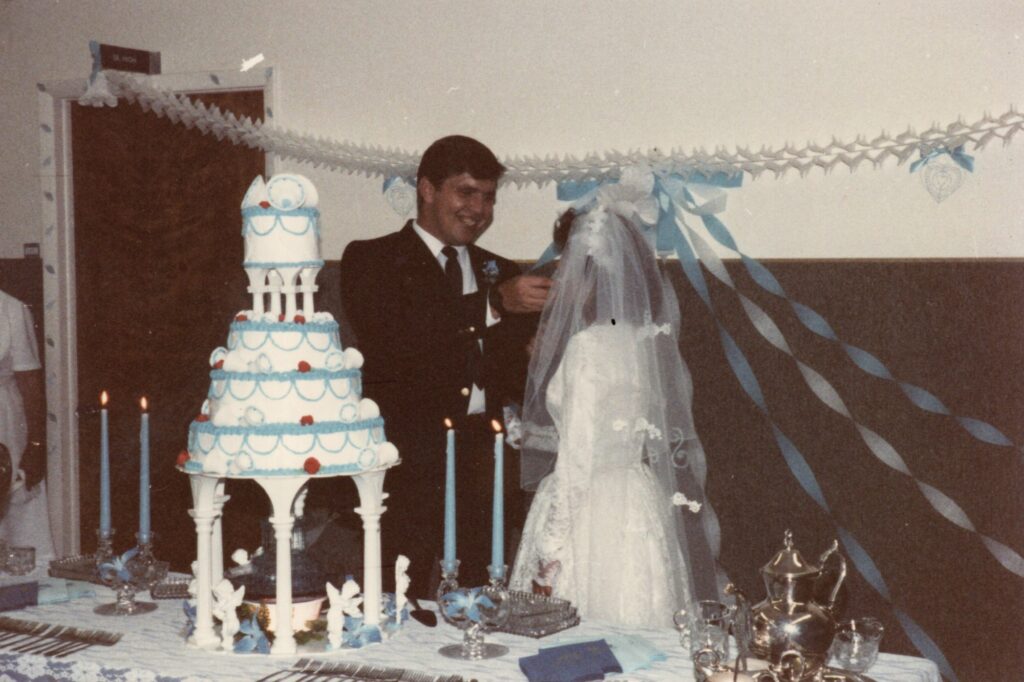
[171, 588]
[79, 567]
[537, 616]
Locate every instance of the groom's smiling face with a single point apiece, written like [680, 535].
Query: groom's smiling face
[458, 211]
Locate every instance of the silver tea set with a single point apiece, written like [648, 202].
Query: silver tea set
[792, 628]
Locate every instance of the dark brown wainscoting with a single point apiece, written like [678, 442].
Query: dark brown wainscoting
[159, 276]
[951, 327]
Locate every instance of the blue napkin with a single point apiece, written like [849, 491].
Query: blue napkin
[631, 651]
[18, 596]
[571, 663]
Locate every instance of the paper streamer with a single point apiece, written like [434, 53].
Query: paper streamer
[802, 471]
[828, 395]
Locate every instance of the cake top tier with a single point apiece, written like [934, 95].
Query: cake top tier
[284, 191]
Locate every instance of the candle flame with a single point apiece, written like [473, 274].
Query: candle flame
[447, 423]
[103, 398]
[496, 426]
[144, 404]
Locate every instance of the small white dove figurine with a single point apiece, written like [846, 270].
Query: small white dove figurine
[334, 617]
[351, 599]
[401, 585]
[226, 600]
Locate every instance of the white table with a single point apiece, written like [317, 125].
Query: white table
[153, 648]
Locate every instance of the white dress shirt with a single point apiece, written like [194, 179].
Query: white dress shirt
[476, 396]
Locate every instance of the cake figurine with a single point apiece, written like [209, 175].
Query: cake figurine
[284, 405]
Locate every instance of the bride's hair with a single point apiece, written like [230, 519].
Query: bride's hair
[571, 232]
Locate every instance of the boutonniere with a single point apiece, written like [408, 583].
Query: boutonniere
[491, 271]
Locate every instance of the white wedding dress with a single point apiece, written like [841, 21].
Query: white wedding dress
[600, 514]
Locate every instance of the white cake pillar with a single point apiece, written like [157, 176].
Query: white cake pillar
[257, 287]
[274, 287]
[281, 491]
[217, 535]
[291, 278]
[371, 498]
[308, 278]
[203, 492]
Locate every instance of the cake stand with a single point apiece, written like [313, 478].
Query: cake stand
[287, 494]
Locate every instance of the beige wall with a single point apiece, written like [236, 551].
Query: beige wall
[538, 76]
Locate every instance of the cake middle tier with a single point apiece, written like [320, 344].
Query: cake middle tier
[326, 449]
[259, 343]
[301, 398]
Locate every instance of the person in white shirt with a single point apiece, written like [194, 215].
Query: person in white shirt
[22, 422]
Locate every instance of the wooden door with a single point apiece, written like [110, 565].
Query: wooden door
[158, 263]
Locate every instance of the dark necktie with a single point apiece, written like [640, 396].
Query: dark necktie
[452, 270]
[453, 274]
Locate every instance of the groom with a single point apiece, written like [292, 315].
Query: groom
[443, 326]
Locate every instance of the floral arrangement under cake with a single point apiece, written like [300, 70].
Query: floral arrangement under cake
[285, 398]
[247, 627]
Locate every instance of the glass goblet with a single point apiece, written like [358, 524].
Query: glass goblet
[126, 576]
[476, 611]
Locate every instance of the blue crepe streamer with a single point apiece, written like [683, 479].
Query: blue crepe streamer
[803, 473]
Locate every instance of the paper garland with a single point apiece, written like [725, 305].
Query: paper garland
[377, 161]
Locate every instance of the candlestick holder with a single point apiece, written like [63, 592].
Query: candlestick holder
[474, 610]
[104, 547]
[134, 571]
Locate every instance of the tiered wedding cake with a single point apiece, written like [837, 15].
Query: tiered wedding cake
[284, 406]
[285, 398]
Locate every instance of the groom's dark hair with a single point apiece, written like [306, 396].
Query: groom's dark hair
[457, 154]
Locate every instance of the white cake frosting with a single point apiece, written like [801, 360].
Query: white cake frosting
[285, 397]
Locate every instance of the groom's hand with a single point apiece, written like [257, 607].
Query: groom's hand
[525, 293]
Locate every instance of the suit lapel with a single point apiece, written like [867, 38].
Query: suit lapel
[415, 261]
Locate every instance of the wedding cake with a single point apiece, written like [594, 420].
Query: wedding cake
[285, 398]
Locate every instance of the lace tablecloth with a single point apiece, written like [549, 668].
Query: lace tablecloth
[153, 649]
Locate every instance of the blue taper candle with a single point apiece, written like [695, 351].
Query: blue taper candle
[498, 521]
[144, 476]
[104, 467]
[449, 495]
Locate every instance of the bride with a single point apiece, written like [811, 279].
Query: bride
[619, 524]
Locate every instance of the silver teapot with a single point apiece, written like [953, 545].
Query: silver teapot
[791, 619]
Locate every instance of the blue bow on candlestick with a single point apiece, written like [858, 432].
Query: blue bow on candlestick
[466, 604]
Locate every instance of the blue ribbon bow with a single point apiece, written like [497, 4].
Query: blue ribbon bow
[965, 161]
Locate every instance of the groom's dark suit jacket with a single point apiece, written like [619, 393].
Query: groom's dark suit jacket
[415, 336]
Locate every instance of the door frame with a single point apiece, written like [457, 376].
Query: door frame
[59, 289]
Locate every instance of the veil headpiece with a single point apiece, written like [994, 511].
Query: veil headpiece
[608, 275]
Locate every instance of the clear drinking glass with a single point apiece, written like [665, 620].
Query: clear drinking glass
[21, 560]
[705, 627]
[855, 646]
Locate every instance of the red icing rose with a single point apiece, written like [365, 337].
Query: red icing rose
[304, 366]
[264, 204]
[182, 458]
[306, 420]
[203, 418]
[300, 319]
[241, 318]
[311, 465]
[280, 318]
[218, 365]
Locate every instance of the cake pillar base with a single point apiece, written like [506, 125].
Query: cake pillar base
[282, 492]
[203, 493]
[371, 498]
